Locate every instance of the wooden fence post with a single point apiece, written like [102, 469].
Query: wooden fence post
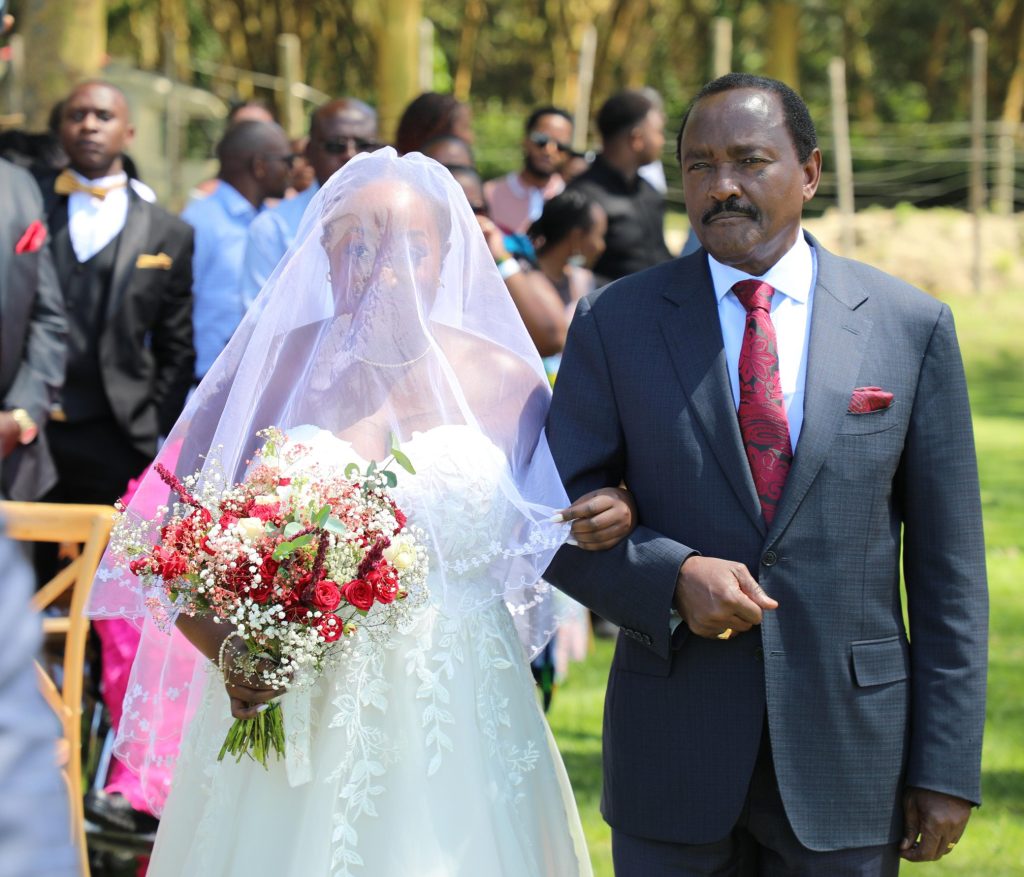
[721, 53]
[1002, 203]
[426, 76]
[581, 118]
[289, 68]
[979, 47]
[844, 155]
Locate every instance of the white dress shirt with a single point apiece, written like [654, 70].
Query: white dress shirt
[793, 278]
[95, 222]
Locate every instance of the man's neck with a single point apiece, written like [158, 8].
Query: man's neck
[622, 160]
[115, 167]
[246, 186]
[532, 179]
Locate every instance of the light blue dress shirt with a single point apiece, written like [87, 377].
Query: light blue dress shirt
[270, 236]
[221, 222]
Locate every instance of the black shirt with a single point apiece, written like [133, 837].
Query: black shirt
[636, 220]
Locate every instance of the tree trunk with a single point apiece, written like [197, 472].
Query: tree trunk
[1015, 89]
[67, 42]
[471, 20]
[397, 61]
[783, 43]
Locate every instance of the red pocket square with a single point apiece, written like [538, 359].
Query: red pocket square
[33, 238]
[867, 399]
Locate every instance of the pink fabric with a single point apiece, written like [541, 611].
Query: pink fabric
[120, 642]
[514, 206]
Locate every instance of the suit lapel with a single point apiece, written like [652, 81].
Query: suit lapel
[132, 243]
[839, 336]
[693, 336]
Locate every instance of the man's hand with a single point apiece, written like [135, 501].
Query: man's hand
[714, 594]
[10, 433]
[933, 822]
[602, 518]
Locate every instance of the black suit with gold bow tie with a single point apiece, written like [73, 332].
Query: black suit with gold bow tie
[130, 345]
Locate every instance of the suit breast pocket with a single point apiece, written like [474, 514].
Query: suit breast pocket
[869, 424]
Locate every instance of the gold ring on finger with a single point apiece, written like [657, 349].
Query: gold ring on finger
[725, 634]
[949, 846]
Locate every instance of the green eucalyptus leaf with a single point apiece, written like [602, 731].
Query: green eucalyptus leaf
[292, 528]
[286, 548]
[334, 525]
[402, 460]
[390, 478]
[322, 516]
[371, 469]
[352, 470]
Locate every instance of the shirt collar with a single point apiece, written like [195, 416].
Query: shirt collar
[235, 203]
[791, 275]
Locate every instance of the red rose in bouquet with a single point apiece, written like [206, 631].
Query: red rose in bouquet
[359, 593]
[326, 596]
[266, 556]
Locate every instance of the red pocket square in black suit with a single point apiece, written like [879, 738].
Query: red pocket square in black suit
[867, 399]
[33, 238]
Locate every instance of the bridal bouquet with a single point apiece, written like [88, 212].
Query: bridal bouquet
[295, 559]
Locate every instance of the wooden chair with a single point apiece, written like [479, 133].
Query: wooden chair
[90, 526]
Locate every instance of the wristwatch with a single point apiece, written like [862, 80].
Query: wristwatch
[26, 425]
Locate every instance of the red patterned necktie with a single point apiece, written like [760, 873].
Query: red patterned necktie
[762, 412]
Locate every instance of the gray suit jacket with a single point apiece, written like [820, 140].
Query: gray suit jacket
[32, 334]
[35, 832]
[855, 707]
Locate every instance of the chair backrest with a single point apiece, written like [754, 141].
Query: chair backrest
[89, 526]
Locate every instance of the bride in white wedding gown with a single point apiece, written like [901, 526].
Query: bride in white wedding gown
[424, 754]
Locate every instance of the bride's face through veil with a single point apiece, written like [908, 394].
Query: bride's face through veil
[385, 245]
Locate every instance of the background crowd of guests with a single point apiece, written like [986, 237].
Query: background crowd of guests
[113, 308]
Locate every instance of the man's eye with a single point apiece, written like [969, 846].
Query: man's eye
[698, 166]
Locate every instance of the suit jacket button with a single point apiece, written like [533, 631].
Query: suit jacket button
[770, 558]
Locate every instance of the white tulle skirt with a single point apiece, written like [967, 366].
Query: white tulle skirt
[428, 756]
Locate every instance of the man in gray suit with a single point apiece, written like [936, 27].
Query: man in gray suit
[788, 421]
[33, 332]
[35, 825]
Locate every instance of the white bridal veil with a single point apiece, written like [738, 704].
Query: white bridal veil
[386, 316]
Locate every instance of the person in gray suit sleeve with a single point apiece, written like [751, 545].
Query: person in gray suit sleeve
[767, 710]
[35, 828]
[33, 333]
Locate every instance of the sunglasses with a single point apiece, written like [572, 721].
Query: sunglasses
[542, 140]
[287, 159]
[345, 144]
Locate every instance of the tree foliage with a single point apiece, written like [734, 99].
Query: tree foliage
[907, 60]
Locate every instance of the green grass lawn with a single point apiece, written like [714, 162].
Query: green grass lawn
[993, 846]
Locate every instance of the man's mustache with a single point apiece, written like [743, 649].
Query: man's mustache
[730, 206]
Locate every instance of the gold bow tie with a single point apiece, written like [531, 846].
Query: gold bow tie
[67, 183]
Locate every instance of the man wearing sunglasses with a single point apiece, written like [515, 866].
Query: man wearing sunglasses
[338, 131]
[517, 199]
[255, 164]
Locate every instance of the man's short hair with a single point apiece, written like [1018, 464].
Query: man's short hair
[622, 112]
[540, 112]
[794, 110]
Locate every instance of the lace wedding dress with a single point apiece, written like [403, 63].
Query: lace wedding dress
[426, 754]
